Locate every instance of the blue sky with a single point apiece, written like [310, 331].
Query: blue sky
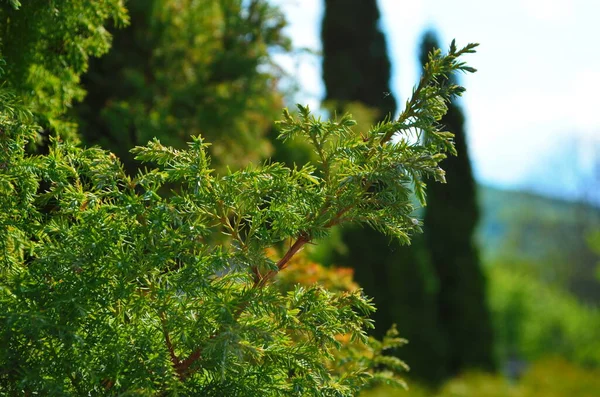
[532, 108]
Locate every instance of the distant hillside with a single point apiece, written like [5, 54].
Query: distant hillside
[501, 209]
[548, 236]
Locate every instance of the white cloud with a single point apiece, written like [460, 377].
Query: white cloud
[511, 132]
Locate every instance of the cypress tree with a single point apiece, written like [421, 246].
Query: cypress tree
[356, 69]
[450, 220]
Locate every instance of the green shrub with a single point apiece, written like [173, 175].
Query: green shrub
[534, 320]
[550, 377]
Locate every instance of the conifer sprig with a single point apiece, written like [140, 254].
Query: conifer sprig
[108, 284]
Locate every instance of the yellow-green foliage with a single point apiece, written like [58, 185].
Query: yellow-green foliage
[557, 377]
[552, 377]
[548, 378]
[390, 391]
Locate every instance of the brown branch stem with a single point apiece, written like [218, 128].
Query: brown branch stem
[183, 367]
[172, 355]
[283, 262]
[180, 366]
[335, 220]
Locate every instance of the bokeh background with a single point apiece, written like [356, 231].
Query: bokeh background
[530, 131]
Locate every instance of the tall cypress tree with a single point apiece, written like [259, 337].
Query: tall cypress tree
[356, 69]
[450, 220]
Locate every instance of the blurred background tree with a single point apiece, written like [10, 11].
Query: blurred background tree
[356, 66]
[356, 73]
[435, 289]
[187, 68]
[451, 216]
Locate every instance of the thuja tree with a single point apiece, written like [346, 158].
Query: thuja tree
[47, 46]
[450, 220]
[182, 68]
[107, 287]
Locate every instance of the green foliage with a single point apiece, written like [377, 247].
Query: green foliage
[186, 68]
[352, 354]
[534, 319]
[46, 47]
[107, 287]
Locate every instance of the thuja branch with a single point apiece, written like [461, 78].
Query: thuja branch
[369, 174]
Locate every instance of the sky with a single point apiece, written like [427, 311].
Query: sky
[532, 108]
